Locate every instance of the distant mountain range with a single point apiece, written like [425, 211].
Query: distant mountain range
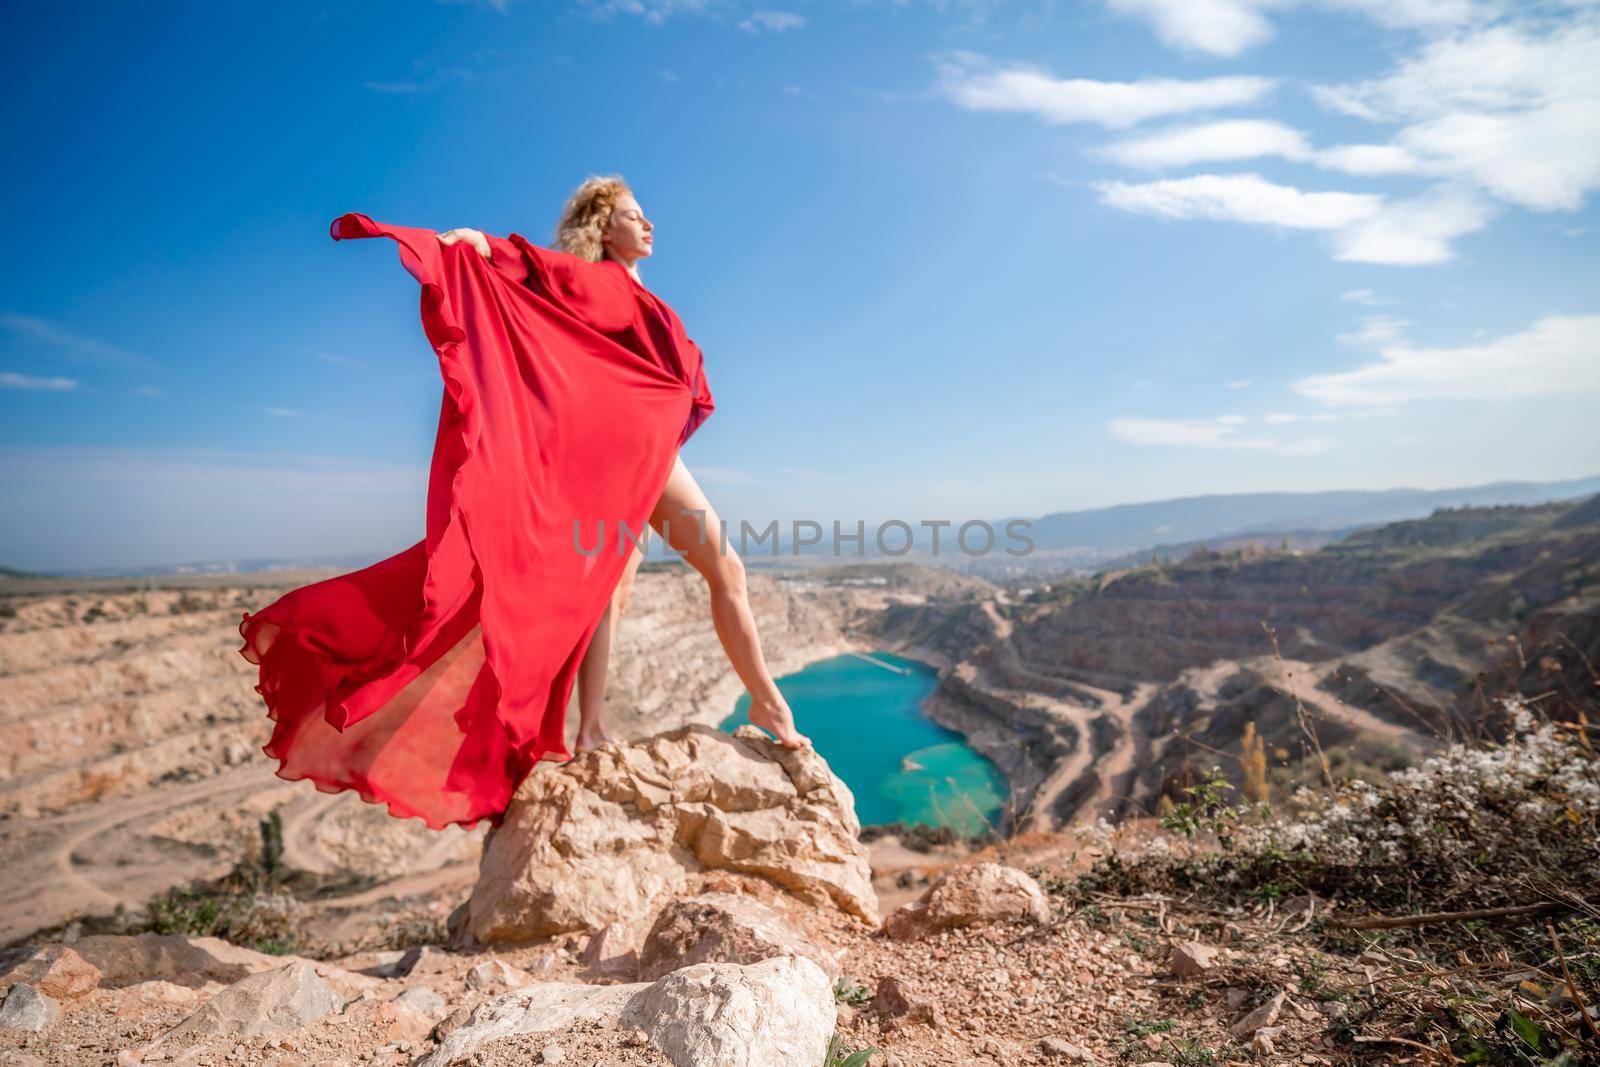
[1091, 538]
[1074, 539]
[1130, 527]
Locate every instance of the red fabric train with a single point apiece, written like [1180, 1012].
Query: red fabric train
[434, 680]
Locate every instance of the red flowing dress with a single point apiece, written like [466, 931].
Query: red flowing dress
[434, 680]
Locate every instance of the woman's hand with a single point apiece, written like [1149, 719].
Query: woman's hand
[473, 237]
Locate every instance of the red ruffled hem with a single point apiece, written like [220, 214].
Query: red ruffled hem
[306, 691]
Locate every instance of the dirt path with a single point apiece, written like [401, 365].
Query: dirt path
[1091, 768]
[55, 868]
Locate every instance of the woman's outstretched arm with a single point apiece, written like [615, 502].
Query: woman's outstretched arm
[693, 528]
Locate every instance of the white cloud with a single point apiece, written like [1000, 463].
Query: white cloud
[652, 11]
[74, 347]
[1236, 139]
[978, 83]
[1283, 418]
[771, 21]
[1512, 109]
[1240, 383]
[1241, 198]
[1557, 355]
[1375, 331]
[1366, 298]
[1228, 27]
[1220, 27]
[1414, 232]
[1220, 432]
[1217, 27]
[12, 380]
[1372, 160]
[1363, 227]
[282, 413]
[1231, 139]
[1415, 13]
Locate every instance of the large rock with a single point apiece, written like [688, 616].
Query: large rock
[969, 894]
[723, 928]
[198, 962]
[190, 961]
[776, 1013]
[269, 1004]
[56, 971]
[535, 1009]
[620, 829]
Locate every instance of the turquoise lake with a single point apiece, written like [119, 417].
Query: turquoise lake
[865, 720]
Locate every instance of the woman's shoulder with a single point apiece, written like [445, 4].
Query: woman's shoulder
[599, 292]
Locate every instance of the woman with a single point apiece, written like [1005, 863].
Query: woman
[604, 222]
[435, 680]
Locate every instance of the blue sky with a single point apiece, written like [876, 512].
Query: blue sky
[945, 260]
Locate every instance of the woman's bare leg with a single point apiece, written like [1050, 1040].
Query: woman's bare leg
[694, 529]
[597, 661]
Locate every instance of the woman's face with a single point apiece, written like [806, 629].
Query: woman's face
[630, 235]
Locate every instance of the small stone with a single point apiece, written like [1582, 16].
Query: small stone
[423, 1001]
[1265, 1015]
[1191, 959]
[269, 1004]
[897, 1002]
[553, 1053]
[421, 958]
[496, 976]
[27, 1009]
[1061, 1049]
[451, 1022]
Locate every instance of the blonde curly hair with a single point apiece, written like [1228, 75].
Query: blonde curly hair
[587, 215]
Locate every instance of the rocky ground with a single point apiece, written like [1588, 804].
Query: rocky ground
[697, 898]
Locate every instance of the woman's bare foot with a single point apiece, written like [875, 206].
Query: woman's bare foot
[590, 739]
[776, 718]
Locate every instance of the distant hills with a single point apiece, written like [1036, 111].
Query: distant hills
[1099, 537]
[1128, 527]
[1075, 540]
